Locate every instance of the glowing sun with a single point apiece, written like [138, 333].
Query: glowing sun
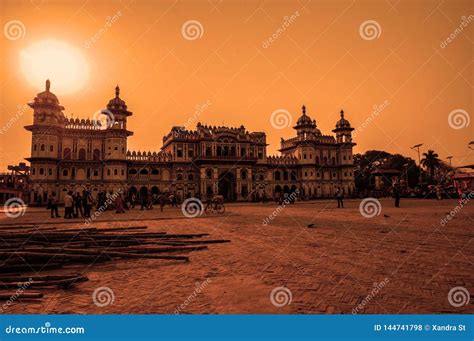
[62, 63]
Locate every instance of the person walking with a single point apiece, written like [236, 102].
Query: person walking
[78, 205]
[53, 205]
[149, 201]
[87, 203]
[340, 198]
[119, 204]
[143, 201]
[162, 200]
[68, 205]
[396, 195]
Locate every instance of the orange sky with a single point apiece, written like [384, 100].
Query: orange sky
[320, 60]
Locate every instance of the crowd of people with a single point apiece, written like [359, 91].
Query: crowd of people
[80, 205]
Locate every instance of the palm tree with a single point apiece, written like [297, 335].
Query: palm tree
[431, 161]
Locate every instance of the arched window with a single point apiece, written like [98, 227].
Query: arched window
[179, 177]
[82, 154]
[132, 171]
[243, 174]
[219, 151]
[209, 174]
[155, 171]
[34, 171]
[144, 171]
[65, 172]
[242, 151]
[67, 154]
[96, 154]
[277, 175]
[293, 175]
[42, 147]
[35, 147]
[285, 175]
[41, 171]
[333, 160]
[108, 171]
[115, 171]
[190, 176]
[51, 148]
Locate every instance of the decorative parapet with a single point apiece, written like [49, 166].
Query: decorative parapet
[149, 156]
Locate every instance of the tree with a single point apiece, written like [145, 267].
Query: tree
[366, 163]
[431, 161]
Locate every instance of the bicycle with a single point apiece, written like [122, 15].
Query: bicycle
[215, 207]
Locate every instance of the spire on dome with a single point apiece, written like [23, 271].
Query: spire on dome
[117, 91]
[303, 108]
[48, 85]
[342, 113]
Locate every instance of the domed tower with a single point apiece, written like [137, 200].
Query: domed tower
[118, 108]
[306, 132]
[343, 130]
[48, 122]
[47, 110]
[344, 140]
[115, 140]
[305, 127]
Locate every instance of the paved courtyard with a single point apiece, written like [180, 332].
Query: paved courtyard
[401, 261]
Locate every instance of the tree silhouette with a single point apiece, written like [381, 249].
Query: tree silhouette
[431, 161]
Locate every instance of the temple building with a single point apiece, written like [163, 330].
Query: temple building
[83, 154]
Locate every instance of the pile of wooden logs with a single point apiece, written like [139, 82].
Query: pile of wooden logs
[25, 249]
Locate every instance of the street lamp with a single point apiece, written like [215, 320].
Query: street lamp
[449, 158]
[417, 148]
[406, 173]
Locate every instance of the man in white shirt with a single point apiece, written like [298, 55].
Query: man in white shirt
[68, 205]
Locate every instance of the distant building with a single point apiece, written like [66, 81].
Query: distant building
[14, 184]
[73, 154]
